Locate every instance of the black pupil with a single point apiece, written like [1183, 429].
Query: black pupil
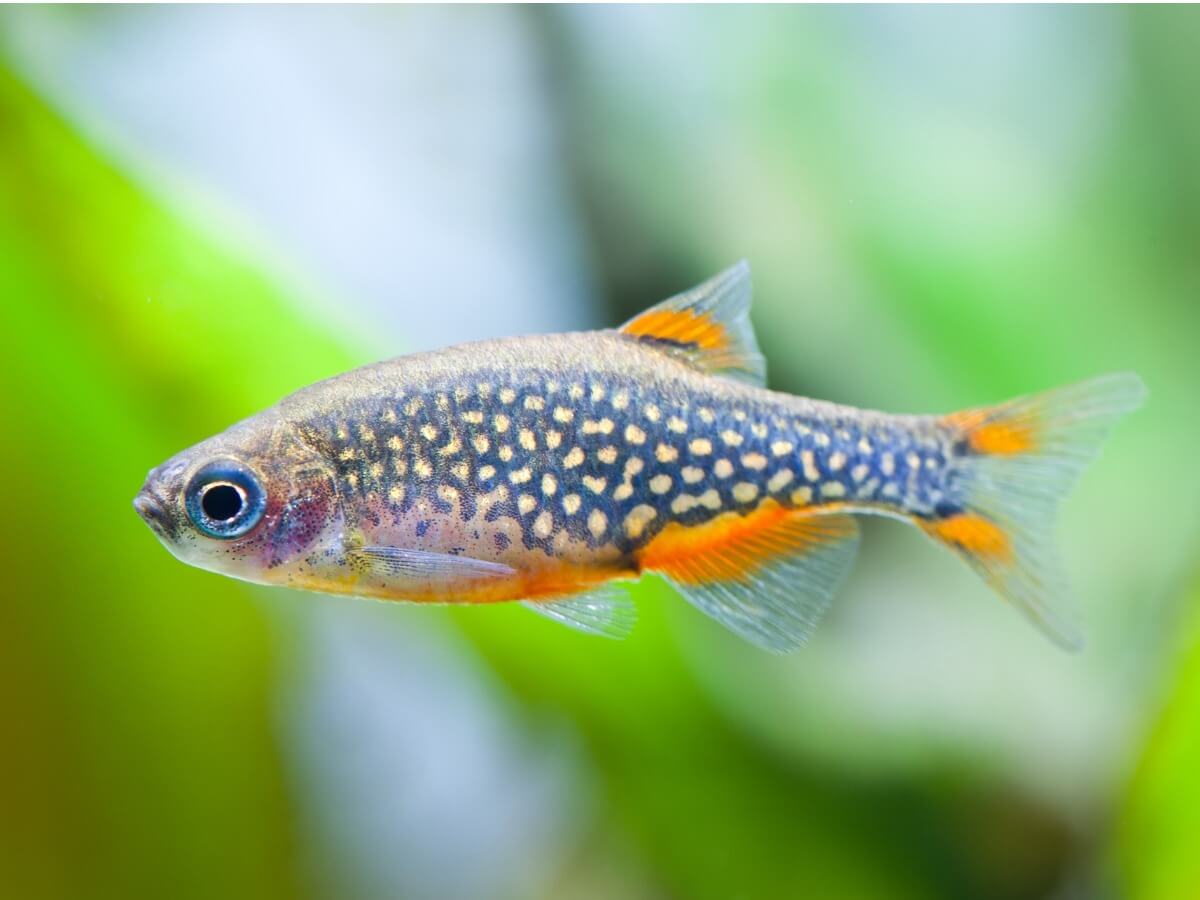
[221, 502]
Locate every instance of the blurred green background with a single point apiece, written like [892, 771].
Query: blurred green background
[202, 209]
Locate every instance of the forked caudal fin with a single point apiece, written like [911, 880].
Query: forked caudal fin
[1016, 462]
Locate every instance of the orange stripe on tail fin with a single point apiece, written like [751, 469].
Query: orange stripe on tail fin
[1016, 463]
[1002, 438]
[973, 534]
[709, 326]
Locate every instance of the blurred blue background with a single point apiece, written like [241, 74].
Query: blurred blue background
[203, 208]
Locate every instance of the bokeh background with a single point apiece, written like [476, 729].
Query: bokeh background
[202, 209]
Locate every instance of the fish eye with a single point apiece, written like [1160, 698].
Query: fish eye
[221, 502]
[225, 500]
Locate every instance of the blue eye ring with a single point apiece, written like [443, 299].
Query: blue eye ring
[225, 499]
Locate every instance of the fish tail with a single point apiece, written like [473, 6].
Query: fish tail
[1013, 464]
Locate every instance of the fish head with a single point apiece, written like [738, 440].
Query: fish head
[257, 502]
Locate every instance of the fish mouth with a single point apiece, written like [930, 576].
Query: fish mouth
[153, 512]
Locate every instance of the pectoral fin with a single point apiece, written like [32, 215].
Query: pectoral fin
[436, 568]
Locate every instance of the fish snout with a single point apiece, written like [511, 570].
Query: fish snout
[153, 511]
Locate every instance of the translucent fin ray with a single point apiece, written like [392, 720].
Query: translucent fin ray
[606, 611]
[770, 580]
[1019, 460]
[394, 562]
[708, 325]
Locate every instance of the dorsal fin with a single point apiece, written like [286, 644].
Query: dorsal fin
[708, 325]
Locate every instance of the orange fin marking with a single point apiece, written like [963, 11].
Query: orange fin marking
[731, 547]
[992, 432]
[1002, 438]
[683, 326]
[708, 326]
[973, 534]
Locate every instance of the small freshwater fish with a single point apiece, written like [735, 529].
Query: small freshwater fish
[548, 469]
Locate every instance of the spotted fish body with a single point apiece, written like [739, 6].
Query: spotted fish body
[501, 454]
[542, 469]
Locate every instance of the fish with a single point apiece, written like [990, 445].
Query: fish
[552, 469]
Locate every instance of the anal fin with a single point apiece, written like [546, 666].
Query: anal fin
[768, 576]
